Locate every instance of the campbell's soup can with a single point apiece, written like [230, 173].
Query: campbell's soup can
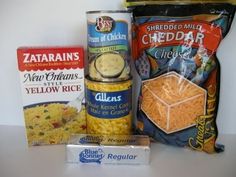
[108, 107]
[109, 37]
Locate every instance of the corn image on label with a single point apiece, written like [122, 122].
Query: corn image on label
[108, 107]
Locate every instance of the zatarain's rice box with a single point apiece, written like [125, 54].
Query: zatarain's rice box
[52, 84]
[109, 45]
[174, 51]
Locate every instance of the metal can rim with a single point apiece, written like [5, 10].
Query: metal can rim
[108, 11]
[108, 82]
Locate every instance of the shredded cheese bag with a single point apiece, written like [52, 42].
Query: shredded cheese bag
[174, 51]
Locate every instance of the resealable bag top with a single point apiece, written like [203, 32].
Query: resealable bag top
[174, 51]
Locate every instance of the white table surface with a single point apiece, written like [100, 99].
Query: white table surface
[18, 160]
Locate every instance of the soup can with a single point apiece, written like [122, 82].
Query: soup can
[108, 107]
[109, 37]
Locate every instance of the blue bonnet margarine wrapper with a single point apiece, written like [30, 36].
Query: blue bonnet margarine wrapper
[106, 149]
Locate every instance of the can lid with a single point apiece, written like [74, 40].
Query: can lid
[109, 81]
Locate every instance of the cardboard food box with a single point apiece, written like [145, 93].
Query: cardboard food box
[52, 84]
[178, 102]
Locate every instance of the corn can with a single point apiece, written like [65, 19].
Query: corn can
[109, 37]
[108, 107]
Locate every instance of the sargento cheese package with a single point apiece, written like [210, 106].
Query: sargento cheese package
[52, 85]
[174, 51]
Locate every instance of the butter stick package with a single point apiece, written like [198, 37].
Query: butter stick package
[174, 51]
[107, 149]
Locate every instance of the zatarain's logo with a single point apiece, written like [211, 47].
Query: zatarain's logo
[91, 156]
[103, 97]
[104, 24]
[50, 57]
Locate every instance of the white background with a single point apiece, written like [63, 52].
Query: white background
[63, 22]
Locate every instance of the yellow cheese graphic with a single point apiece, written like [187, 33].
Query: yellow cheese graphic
[172, 102]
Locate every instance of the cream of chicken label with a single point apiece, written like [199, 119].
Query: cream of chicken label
[109, 45]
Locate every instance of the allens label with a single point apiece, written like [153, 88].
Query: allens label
[49, 58]
[102, 97]
[108, 105]
[192, 33]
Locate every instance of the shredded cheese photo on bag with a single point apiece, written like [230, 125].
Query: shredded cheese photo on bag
[174, 50]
